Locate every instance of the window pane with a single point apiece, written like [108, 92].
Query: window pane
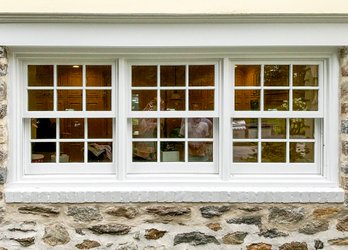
[273, 151]
[199, 128]
[145, 100]
[43, 128]
[305, 100]
[273, 128]
[144, 127]
[69, 75]
[276, 100]
[98, 100]
[247, 99]
[145, 151]
[305, 75]
[172, 151]
[247, 75]
[100, 128]
[98, 75]
[42, 151]
[172, 128]
[201, 75]
[69, 100]
[144, 76]
[100, 152]
[201, 99]
[172, 75]
[200, 151]
[301, 151]
[245, 151]
[40, 100]
[40, 75]
[173, 99]
[245, 128]
[74, 152]
[276, 75]
[302, 128]
[71, 128]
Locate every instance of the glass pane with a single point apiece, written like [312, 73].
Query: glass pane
[144, 76]
[99, 127]
[247, 75]
[200, 151]
[247, 99]
[40, 100]
[172, 128]
[145, 151]
[276, 100]
[172, 75]
[245, 151]
[201, 99]
[40, 75]
[302, 128]
[42, 151]
[273, 151]
[100, 152]
[71, 152]
[98, 100]
[70, 100]
[98, 75]
[305, 75]
[144, 100]
[201, 75]
[69, 75]
[144, 127]
[245, 128]
[273, 128]
[199, 128]
[71, 128]
[301, 151]
[172, 151]
[276, 75]
[43, 128]
[305, 100]
[173, 99]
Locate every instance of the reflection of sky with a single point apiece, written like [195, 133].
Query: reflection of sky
[240, 152]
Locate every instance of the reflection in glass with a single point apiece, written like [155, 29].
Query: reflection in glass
[301, 151]
[172, 128]
[245, 151]
[173, 99]
[198, 128]
[273, 128]
[98, 100]
[144, 127]
[172, 75]
[71, 152]
[43, 128]
[172, 151]
[40, 100]
[42, 151]
[276, 100]
[245, 128]
[201, 99]
[276, 75]
[144, 76]
[302, 128]
[98, 75]
[201, 75]
[71, 128]
[69, 100]
[200, 151]
[144, 100]
[305, 75]
[247, 99]
[100, 152]
[145, 151]
[247, 75]
[100, 128]
[40, 75]
[305, 100]
[273, 151]
[69, 75]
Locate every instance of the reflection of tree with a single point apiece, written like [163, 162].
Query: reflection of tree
[299, 151]
[273, 152]
[298, 126]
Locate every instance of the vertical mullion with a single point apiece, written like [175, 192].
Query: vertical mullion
[159, 101]
[259, 132]
[186, 139]
[85, 120]
[186, 87]
[158, 140]
[57, 139]
[287, 151]
[291, 86]
[262, 89]
[55, 91]
[84, 94]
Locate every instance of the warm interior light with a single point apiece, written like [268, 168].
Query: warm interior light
[76, 66]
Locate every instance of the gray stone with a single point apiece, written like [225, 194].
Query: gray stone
[88, 244]
[127, 212]
[286, 215]
[235, 238]
[127, 246]
[154, 234]
[342, 224]
[39, 210]
[84, 214]
[294, 246]
[17, 229]
[25, 242]
[249, 220]
[3, 174]
[344, 127]
[2, 214]
[112, 228]
[339, 241]
[259, 246]
[162, 247]
[195, 239]
[3, 154]
[345, 148]
[169, 210]
[318, 244]
[79, 231]
[250, 209]
[3, 111]
[272, 233]
[314, 227]
[212, 211]
[3, 52]
[3, 90]
[3, 69]
[56, 234]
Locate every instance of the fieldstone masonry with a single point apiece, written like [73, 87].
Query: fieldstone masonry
[161, 226]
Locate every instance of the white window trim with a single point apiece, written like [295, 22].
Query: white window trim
[179, 188]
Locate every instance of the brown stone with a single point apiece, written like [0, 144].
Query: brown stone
[259, 246]
[39, 210]
[112, 228]
[286, 215]
[314, 227]
[88, 244]
[169, 210]
[154, 234]
[25, 242]
[339, 241]
[2, 248]
[214, 226]
[294, 246]
[325, 213]
[127, 212]
[56, 234]
[342, 224]
[235, 238]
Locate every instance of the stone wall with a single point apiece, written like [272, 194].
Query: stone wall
[173, 226]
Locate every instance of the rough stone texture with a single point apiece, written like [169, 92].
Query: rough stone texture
[3, 172]
[127, 246]
[259, 246]
[286, 215]
[235, 238]
[318, 244]
[214, 226]
[250, 209]
[314, 227]
[339, 241]
[325, 213]
[272, 233]
[39, 210]
[195, 239]
[56, 234]
[84, 214]
[249, 220]
[169, 210]
[88, 244]
[154, 234]
[342, 224]
[127, 212]
[294, 246]
[212, 211]
[112, 228]
[25, 242]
